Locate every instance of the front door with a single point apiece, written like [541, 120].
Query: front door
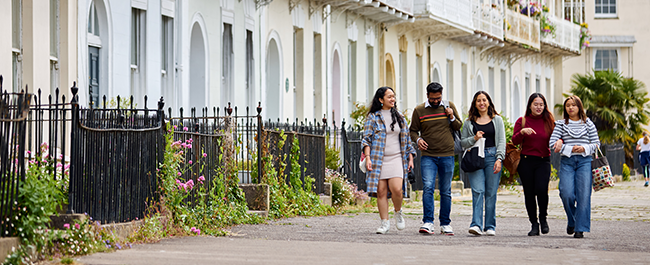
[93, 76]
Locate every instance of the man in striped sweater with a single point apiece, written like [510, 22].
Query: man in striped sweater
[430, 130]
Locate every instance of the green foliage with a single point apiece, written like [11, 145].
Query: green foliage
[626, 172]
[506, 176]
[187, 207]
[332, 156]
[343, 192]
[295, 198]
[617, 105]
[553, 173]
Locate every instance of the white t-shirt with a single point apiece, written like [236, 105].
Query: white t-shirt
[644, 147]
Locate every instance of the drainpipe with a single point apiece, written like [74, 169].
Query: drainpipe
[328, 74]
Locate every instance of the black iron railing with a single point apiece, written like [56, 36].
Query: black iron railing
[14, 108]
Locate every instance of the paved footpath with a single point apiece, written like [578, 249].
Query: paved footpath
[620, 233]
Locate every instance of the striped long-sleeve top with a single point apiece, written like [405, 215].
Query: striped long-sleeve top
[575, 133]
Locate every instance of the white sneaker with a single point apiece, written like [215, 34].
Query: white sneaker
[446, 230]
[400, 223]
[427, 228]
[384, 228]
[475, 230]
[490, 233]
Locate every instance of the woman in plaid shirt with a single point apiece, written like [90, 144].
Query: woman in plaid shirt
[390, 154]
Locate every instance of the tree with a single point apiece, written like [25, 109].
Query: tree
[617, 105]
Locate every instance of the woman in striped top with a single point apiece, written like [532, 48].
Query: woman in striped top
[576, 138]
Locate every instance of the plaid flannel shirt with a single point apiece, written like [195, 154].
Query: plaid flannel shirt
[374, 136]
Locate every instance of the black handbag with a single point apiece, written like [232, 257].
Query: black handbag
[471, 160]
[411, 177]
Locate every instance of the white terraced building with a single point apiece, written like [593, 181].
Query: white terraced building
[302, 59]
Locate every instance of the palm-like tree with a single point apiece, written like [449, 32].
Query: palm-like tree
[617, 105]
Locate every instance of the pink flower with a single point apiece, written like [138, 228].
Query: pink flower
[189, 146]
[60, 156]
[198, 232]
[190, 162]
[66, 167]
[179, 174]
[180, 152]
[175, 127]
[59, 165]
[178, 181]
[201, 179]
[29, 152]
[205, 155]
[190, 140]
[185, 129]
[44, 145]
[66, 226]
[189, 184]
[76, 226]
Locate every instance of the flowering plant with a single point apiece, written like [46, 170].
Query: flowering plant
[546, 26]
[585, 35]
[343, 192]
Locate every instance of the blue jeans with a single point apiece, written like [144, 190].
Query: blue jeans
[575, 191]
[444, 167]
[485, 185]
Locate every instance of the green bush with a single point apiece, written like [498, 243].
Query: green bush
[626, 173]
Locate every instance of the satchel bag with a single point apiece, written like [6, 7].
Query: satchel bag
[513, 154]
[601, 172]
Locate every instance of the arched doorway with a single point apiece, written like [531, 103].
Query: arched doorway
[98, 46]
[336, 88]
[273, 80]
[479, 82]
[198, 94]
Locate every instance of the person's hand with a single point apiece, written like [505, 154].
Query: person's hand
[497, 166]
[478, 135]
[422, 144]
[410, 165]
[368, 164]
[557, 146]
[450, 113]
[527, 131]
[578, 149]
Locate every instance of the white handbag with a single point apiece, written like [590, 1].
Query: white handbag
[362, 163]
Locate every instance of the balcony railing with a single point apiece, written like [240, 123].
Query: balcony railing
[567, 34]
[488, 19]
[456, 11]
[405, 6]
[522, 29]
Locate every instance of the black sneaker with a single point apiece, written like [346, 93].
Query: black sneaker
[578, 235]
[569, 230]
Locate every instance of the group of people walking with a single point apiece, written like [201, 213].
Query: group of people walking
[389, 144]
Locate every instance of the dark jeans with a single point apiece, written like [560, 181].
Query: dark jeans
[534, 173]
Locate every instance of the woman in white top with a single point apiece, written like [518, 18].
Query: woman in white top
[576, 138]
[643, 145]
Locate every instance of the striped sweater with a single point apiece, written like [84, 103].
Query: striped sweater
[575, 133]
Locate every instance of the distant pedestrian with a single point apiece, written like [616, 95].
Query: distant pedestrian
[485, 122]
[389, 155]
[431, 129]
[643, 145]
[576, 138]
[533, 132]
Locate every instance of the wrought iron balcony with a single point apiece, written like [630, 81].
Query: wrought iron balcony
[565, 40]
[522, 29]
[488, 19]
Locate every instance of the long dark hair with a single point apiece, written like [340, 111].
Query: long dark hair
[473, 111]
[375, 106]
[549, 119]
[581, 110]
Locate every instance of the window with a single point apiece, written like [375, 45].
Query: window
[250, 69]
[138, 33]
[227, 65]
[16, 44]
[418, 80]
[318, 77]
[538, 85]
[352, 73]
[93, 21]
[450, 80]
[491, 81]
[548, 87]
[167, 59]
[606, 59]
[463, 84]
[503, 90]
[527, 85]
[605, 8]
[54, 44]
[574, 10]
[298, 73]
[402, 81]
[370, 72]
